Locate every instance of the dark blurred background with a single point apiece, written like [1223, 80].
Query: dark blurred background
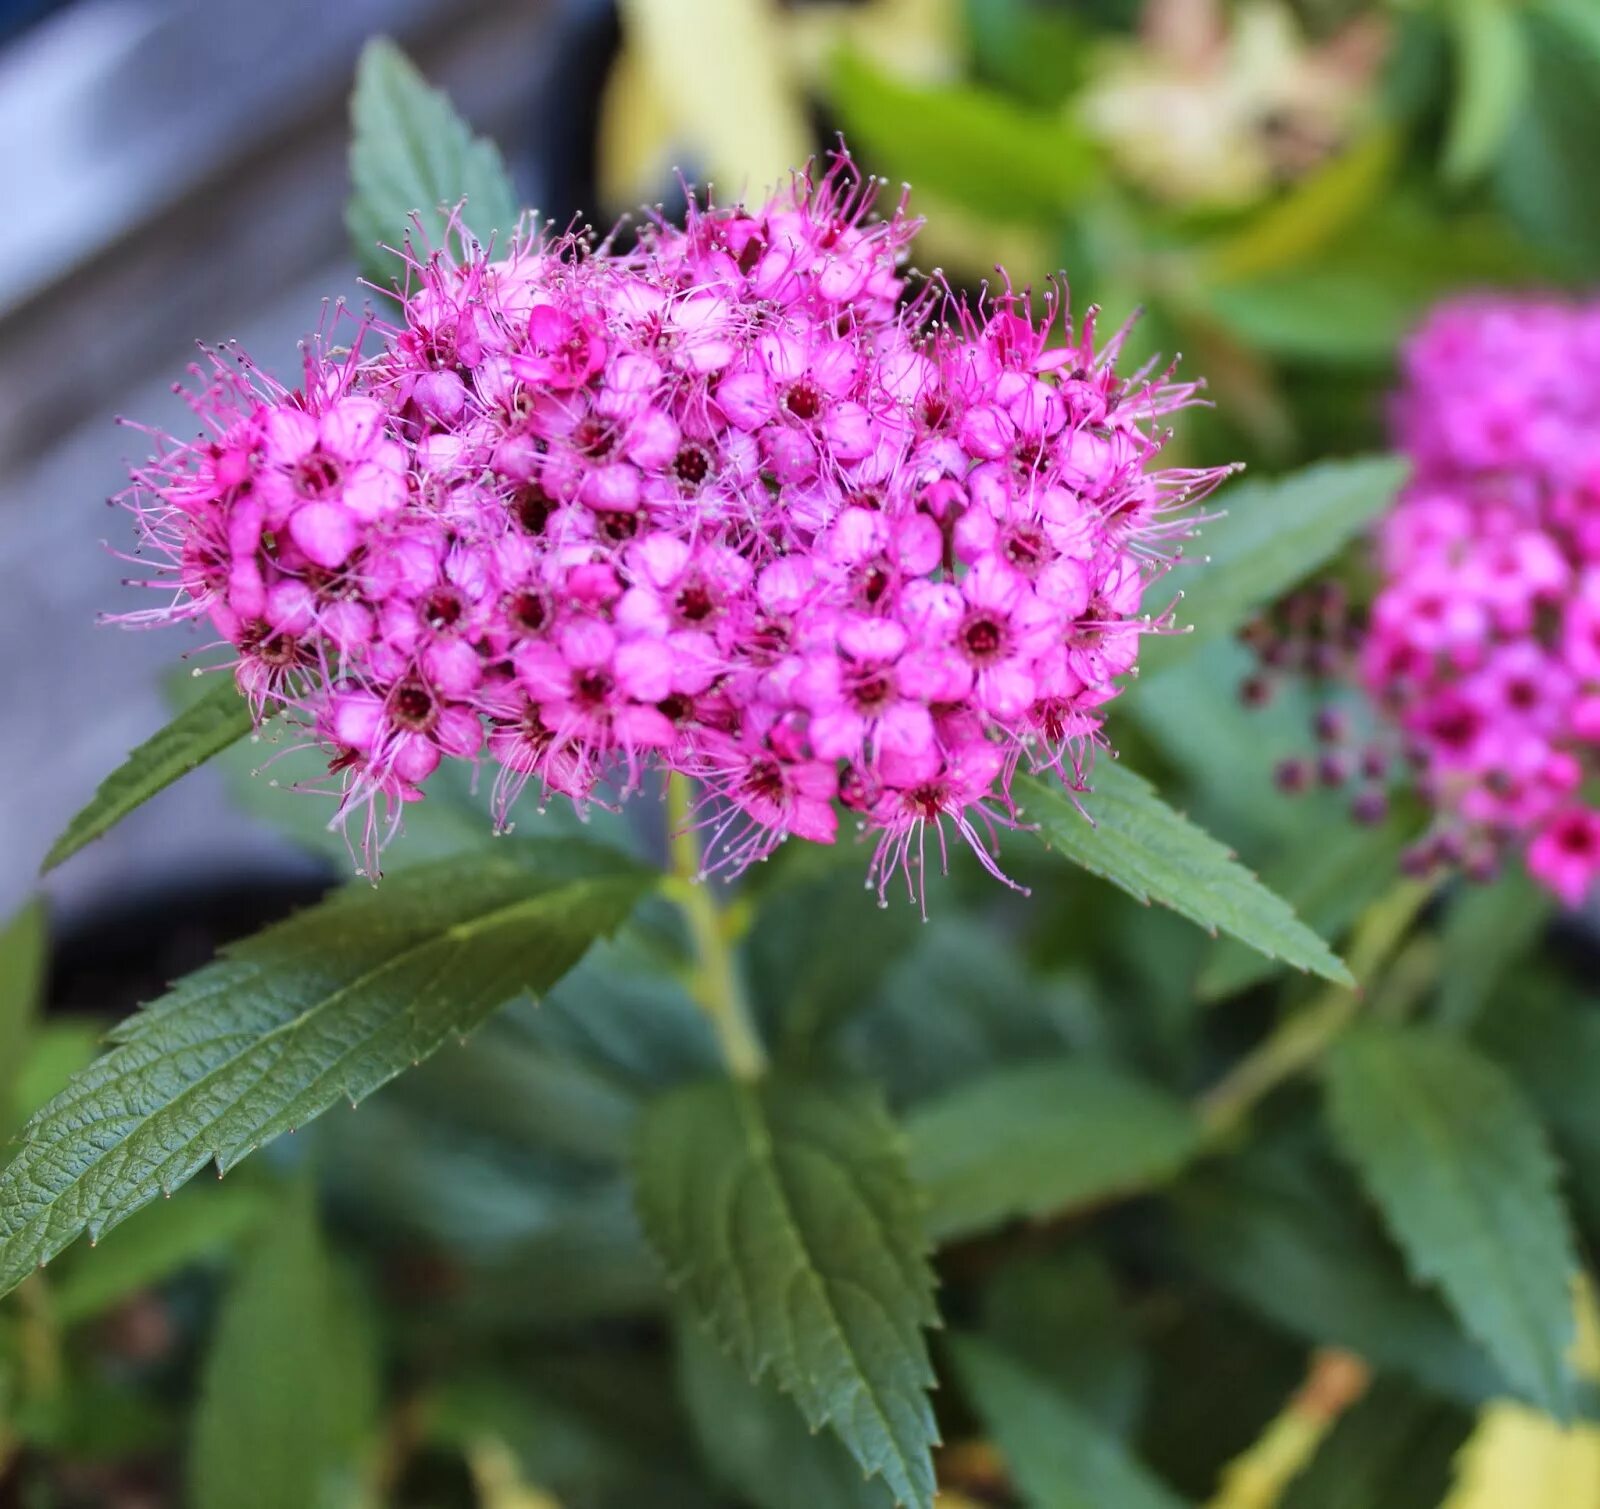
[176, 172]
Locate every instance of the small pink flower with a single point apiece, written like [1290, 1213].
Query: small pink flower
[1483, 645]
[723, 503]
[1565, 854]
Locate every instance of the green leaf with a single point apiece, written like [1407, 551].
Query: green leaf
[278, 1421]
[822, 954]
[1547, 177]
[1041, 1139]
[1061, 1315]
[784, 1213]
[1133, 839]
[1311, 216]
[970, 146]
[1274, 535]
[218, 719]
[1326, 314]
[1491, 79]
[588, 1260]
[957, 1006]
[412, 159]
[157, 1243]
[1490, 928]
[1550, 1042]
[23, 944]
[324, 1007]
[1284, 1235]
[1328, 877]
[755, 1441]
[1058, 1456]
[1037, 54]
[1352, 303]
[1459, 1166]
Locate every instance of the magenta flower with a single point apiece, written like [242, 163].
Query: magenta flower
[729, 504]
[1484, 640]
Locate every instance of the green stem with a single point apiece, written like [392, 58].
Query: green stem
[1301, 1039]
[715, 981]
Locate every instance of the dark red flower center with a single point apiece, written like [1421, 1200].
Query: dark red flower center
[872, 692]
[695, 603]
[441, 608]
[1025, 548]
[1455, 726]
[765, 779]
[692, 465]
[619, 526]
[1577, 839]
[412, 706]
[532, 507]
[316, 475]
[528, 611]
[982, 638]
[594, 687]
[874, 583]
[281, 650]
[1522, 694]
[594, 436]
[804, 399]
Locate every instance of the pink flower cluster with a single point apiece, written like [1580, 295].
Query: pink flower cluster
[1484, 642]
[729, 502]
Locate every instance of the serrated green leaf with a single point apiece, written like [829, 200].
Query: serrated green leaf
[1273, 534]
[412, 159]
[1058, 1456]
[218, 719]
[156, 1244]
[1551, 1043]
[1329, 877]
[23, 942]
[1491, 78]
[1041, 1139]
[785, 1214]
[1284, 1235]
[948, 139]
[755, 1441]
[1460, 1168]
[277, 1422]
[324, 1007]
[1133, 839]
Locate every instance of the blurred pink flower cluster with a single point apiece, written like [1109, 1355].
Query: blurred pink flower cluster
[1484, 643]
[729, 502]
